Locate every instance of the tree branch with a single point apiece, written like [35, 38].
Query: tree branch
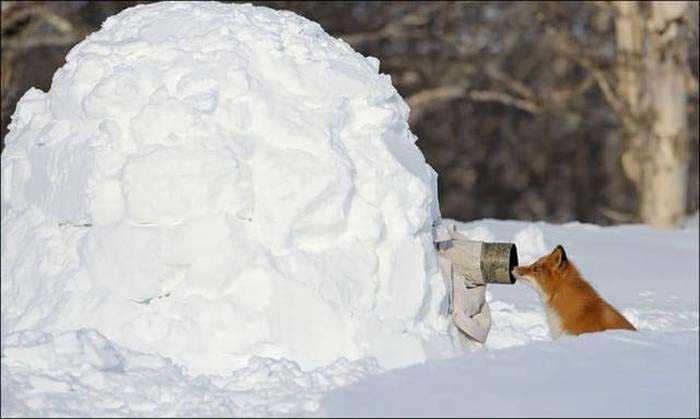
[576, 52]
[418, 102]
[397, 28]
[16, 12]
[506, 99]
[515, 85]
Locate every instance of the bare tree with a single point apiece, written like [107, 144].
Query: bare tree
[525, 109]
[653, 77]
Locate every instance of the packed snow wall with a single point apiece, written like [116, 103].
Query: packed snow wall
[212, 182]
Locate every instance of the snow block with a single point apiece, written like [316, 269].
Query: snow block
[213, 182]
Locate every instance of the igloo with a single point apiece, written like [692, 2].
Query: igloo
[213, 182]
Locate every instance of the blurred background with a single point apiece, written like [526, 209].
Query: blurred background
[555, 111]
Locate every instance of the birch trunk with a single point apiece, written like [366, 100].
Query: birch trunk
[652, 68]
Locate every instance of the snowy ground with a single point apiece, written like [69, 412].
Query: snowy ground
[652, 276]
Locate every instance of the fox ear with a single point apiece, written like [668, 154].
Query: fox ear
[559, 254]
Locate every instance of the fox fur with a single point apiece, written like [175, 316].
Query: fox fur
[572, 305]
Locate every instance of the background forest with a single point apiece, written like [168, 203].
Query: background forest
[553, 111]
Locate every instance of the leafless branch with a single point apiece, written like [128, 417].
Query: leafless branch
[506, 99]
[395, 29]
[418, 102]
[17, 12]
[576, 52]
[515, 85]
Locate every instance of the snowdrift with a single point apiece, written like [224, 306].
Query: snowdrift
[214, 182]
[519, 372]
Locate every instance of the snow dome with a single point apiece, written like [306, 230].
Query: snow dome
[214, 182]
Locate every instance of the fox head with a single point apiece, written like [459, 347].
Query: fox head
[545, 271]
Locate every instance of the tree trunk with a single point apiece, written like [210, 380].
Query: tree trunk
[652, 68]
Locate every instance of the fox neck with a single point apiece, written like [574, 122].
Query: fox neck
[546, 290]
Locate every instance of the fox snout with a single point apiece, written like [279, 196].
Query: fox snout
[520, 272]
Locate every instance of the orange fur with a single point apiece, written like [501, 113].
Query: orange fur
[573, 306]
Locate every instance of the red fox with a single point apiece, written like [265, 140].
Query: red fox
[572, 305]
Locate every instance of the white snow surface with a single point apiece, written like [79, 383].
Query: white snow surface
[219, 210]
[651, 275]
[215, 182]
